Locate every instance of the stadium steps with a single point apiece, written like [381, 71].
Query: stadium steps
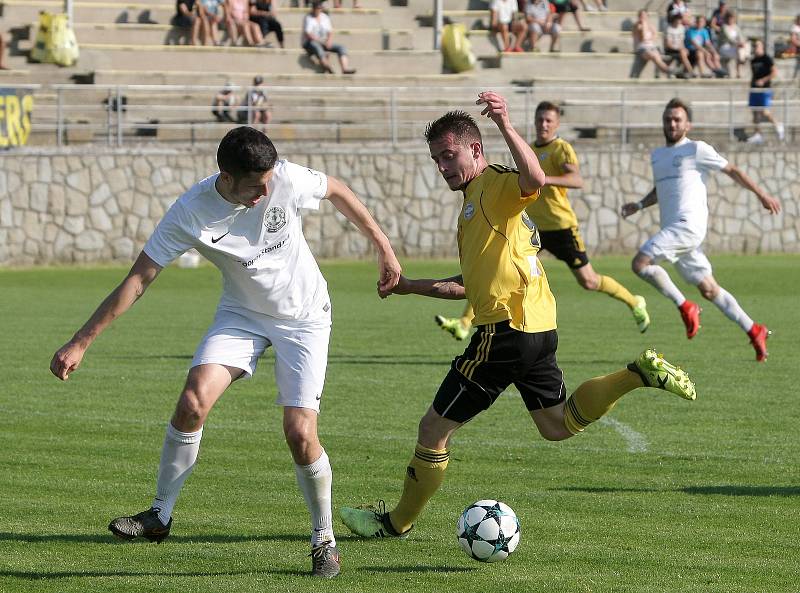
[181, 58]
[486, 43]
[135, 33]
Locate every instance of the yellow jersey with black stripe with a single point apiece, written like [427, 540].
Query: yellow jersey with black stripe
[552, 211]
[498, 246]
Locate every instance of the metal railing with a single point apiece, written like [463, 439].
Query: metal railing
[116, 115]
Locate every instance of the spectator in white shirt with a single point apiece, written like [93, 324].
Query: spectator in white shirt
[502, 15]
[317, 40]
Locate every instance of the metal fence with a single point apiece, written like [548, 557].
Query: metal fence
[116, 115]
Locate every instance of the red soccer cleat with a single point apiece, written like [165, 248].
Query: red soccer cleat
[690, 313]
[758, 338]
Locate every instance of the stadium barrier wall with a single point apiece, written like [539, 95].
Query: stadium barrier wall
[84, 206]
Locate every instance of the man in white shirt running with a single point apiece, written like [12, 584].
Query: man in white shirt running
[246, 221]
[680, 170]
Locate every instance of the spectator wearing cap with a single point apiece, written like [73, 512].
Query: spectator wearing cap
[254, 106]
[262, 13]
[317, 40]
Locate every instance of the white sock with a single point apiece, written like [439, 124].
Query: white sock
[315, 481]
[658, 277]
[728, 305]
[177, 461]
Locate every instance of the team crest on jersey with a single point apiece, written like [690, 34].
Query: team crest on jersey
[469, 211]
[676, 161]
[543, 156]
[275, 219]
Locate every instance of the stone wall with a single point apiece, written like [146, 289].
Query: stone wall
[84, 206]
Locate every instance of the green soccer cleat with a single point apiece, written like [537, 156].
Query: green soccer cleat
[368, 521]
[145, 524]
[658, 373]
[452, 326]
[640, 314]
[325, 562]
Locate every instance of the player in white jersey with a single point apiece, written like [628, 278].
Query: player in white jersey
[680, 170]
[246, 221]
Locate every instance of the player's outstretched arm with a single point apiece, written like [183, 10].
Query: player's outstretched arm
[634, 207]
[445, 288]
[531, 175]
[69, 356]
[767, 201]
[346, 202]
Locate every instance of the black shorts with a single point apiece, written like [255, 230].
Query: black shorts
[565, 7]
[496, 357]
[566, 245]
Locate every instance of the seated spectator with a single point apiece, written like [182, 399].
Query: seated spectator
[717, 20]
[701, 50]
[254, 106]
[238, 23]
[317, 40]
[262, 13]
[644, 42]
[680, 8]
[794, 38]
[732, 44]
[224, 103]
[538, 21]
[211, 14]
[502, 16]
[562, 7]
[674, 44]
[186, 18]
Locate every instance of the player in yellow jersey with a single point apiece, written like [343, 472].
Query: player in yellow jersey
[557, 223]
[515, 314]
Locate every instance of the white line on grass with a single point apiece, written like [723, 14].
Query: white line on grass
[637, 443]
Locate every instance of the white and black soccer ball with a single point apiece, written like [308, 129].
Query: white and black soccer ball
[488, 531]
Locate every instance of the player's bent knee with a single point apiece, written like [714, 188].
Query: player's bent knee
[190, 412]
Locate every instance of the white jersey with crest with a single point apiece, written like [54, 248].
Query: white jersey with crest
[266, 264]
[680, 173]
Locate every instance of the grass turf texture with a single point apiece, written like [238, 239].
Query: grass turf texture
[667, 496]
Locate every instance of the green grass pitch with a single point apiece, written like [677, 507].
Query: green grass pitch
[665, 496]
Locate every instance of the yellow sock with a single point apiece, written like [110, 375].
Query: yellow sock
[615, 290]
[595, 398]
[467, 316]
[424, 475]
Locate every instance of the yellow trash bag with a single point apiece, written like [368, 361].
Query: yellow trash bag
[457, 49]
[55, 41]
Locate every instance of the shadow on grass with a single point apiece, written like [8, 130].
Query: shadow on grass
[33, 538]
[728, 490]
[417, 568]
[89, 574]
[732, 490]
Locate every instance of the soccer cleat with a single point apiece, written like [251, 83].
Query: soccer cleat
[452, 326]
[657, 372]
[640, 314]
[758, 338]
[145, 524]
[690, 313]
[325, 561]
[368, 521]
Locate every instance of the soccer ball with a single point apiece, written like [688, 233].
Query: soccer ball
[488, 531]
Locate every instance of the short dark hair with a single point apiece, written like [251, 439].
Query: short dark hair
[548, 106]
[245, 150]
[676, 103]
[459, 123]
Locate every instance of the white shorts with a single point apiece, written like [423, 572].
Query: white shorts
[239, 338]
[682, 247]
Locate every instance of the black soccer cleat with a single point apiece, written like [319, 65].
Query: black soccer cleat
[145, 524]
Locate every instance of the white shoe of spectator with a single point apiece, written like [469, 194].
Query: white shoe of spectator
[781, 131]
[756, 138]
